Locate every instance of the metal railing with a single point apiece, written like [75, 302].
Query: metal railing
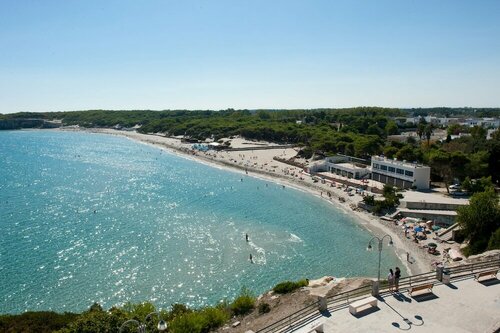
[463, 271]
[292, 320]
[341, 300]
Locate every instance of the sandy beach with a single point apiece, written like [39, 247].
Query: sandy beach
[260, 163]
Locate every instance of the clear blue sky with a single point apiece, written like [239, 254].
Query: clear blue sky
[161, 54]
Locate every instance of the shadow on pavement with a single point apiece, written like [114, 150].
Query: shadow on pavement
[425, 297]
[490, 282]
[401, 297]
[366, 312]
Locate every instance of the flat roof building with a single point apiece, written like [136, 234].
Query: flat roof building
[347, 166]
[401, 174]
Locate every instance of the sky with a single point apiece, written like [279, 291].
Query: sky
[247, 54]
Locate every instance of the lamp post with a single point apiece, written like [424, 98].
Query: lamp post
[141, 327]
[369, 248]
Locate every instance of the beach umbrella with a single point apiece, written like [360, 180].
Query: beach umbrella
[418, 229]
[432, 245]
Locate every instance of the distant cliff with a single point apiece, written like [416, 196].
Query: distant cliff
[19, 123]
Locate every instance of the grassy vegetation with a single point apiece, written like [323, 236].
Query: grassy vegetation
[180, 318]
[244, 303]
[286, 287]
[40, 322]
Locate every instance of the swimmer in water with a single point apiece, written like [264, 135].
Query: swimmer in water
[251, 259]
[246, 237]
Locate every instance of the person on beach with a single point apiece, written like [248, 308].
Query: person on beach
[397, 276]
[246, 237]
[390, 280]
[251, 258]
[408, 257]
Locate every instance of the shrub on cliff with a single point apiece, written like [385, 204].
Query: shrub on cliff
[289, 286]
[264, 308]
[40, 322]
[244, 303]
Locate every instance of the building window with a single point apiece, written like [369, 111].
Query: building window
[409, 173]
[375, 166]
[383, 167]
[400, 171]
[392, 169]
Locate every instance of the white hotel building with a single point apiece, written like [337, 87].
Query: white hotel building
[400, 173]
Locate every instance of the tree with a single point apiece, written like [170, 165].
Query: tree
[440, 164]
[390, 151]
[407, 153]
[479, 220]
[428, 132]
[458, 165]
[391, 128]
[420, 130]
[493, 147]
[478, 134]
[374, 129]
[477, 185]
[454, 129]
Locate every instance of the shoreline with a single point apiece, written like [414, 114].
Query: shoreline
[371, 223]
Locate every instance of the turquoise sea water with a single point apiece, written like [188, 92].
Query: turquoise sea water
[165, 228]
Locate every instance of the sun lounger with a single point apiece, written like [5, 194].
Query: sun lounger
[492, 274]
[355, 307]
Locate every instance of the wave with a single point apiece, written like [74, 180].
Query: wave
[260, 258]
[295, 239]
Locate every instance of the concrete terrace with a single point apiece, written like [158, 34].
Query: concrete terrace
[433, 197]
[465, 305]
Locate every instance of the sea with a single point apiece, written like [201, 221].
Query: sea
[90, 218]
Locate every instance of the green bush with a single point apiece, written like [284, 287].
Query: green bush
[43, 321]
[264, 308]
[97, 320]
[369, 200]
[289, 286]
[178, 310]
[244, 303]
[214, 317]
[187, 323]
[494, 242]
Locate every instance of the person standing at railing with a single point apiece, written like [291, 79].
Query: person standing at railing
[397, 276]
[390, 279]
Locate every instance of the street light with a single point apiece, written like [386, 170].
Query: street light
[141, 327]
[369, 248]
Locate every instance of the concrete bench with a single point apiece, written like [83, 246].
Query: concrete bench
[316, 329]
[355, 307]
[426, 287]
[492, 273]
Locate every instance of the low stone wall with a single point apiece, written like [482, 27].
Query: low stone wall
[439, 218]
[430, 205]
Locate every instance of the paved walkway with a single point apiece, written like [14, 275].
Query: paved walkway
[463, 306]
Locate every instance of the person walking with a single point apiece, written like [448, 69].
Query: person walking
[397, 276]
[390, 280]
